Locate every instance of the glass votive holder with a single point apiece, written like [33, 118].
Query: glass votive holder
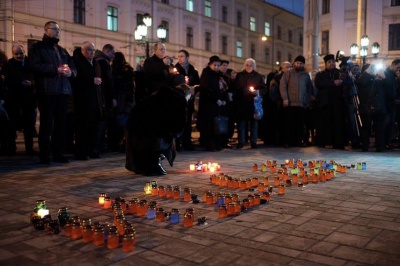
[113, 239]
[128, 243]
[101, 198]
[250, 197]
[68, 228]
[257, 199]
[133, 205]
[87, 234]
[76, 231]
[174, 218]
[222, 211]
[151, 212]
[160, 215]
[187, 194]
[188, 220]
[231, 208]
[170, 192]
[246, 204]
[177, 192]
[98, 236]
[238, 207]
[210, 198]
[261, 187]
[243, 185]
[267, 196]
[281, 189]
[107, 202]
[162, 192]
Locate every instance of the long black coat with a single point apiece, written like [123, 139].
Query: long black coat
[210, 93]
[244, 99]
[152, 127]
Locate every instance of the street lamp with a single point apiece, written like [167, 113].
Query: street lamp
[142, 29]
[363, 49]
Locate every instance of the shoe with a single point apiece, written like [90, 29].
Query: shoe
[61, 159]
[227, 146]
[253, 145]
[81, 158]
[239, 146]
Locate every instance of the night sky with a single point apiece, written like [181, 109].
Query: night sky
[295, 6]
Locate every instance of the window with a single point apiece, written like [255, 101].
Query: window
[189, 5]
[267, 29]
[239, 19]
[189, 37]
[239, 49]
[325, 42]
[208, 41]
[165, 2]
[252, 50]
[301, 39]
[224, 14]
[267, 58]
[325, 6]
[252, 23]
[112, 18]
[289, 57]
[79, 12]
[395, 3]
[279, 57]
[290, 36]
[165, 24]
[279, 33]
[224, 44]
[139, 19]
[394, 37]
[207, 9]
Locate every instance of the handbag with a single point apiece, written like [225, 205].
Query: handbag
[221, 125]
[258, 109]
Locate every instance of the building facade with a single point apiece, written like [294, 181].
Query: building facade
[232, 29]
[339, 24]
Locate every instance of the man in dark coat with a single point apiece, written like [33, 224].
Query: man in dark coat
[88, 101]
[191, 78]
[330, 104]
[152, 127]
[52, 66]
[21, 102]
[156, 71]
[104, 58]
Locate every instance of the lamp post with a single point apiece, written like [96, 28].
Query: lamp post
[363, 49]
[142, 30]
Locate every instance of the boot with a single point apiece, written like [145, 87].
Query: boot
[155, 166]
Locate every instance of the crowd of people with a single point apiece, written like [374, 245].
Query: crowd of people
[89, 102]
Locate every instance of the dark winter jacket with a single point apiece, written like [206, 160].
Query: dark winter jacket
[45, 62]
[107, 83]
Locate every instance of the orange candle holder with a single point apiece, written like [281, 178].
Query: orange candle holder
[267, 196]
[231, 209]
[98, 236]
[87, 234]
[255, 167]
[281, 190]
[187, 194]
[261, 187]
[243, 185]
[160, 215]
[276, 181]
[107, 202]
[113, 240]
[223, 211]
[188, 220]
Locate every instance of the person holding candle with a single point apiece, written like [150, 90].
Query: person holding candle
[192, 78]
[212, 102]
[52, 67]
[88, 101]
[249, 84]
[295, 88]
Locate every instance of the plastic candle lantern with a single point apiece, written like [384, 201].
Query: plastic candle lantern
[192, 167]
[147, 188]
[128, 243]
[107, 202]
[101, 198]
[212, 169]
[41, 208]
[281, 189]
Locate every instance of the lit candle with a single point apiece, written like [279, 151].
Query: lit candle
[251, 89]
[101, 198]
[192, 167]
[212, 169]
[147, 188]
[43, 212]
[186, 79]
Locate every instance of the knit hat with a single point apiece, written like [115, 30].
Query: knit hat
[300, 58]
[329, 57]
[214, 58]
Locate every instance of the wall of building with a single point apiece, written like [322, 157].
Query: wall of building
[342, 25]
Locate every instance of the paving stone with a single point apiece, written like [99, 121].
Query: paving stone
[347, 239]
[325, 260]
[356, 254]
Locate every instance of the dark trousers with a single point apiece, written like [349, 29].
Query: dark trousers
[294, 125]
[53, 125]
[378, 123]
[330, 125]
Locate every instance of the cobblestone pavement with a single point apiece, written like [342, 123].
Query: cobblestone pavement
[353, 219]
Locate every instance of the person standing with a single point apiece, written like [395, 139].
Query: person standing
[249, 84]
[21, 102]
[330, 105]
[88, 102]
[295, 88]
[191, 78]
[156, 71]
[52, 66]
[124, 83]
[104, 58]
